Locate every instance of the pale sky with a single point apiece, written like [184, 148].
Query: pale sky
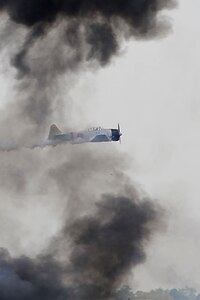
[153, 90]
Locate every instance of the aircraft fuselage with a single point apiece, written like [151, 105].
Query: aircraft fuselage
[93, 135]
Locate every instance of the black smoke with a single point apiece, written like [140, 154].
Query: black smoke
[134, 12]
[104, 247]
[97, 25]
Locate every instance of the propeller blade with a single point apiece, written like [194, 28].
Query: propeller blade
[119, 134]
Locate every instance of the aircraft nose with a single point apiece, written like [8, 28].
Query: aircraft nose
[116, 134]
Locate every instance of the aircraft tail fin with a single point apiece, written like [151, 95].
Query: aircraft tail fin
[53, 131]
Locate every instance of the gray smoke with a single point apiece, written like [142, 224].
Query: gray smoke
[103, 222]
[50, 38]
[104, 246]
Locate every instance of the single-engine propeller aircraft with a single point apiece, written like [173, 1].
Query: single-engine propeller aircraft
[94, 135]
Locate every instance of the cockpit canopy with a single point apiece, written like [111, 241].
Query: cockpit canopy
[95, 129]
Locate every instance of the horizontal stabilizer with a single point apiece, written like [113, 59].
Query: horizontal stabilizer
[54, 130]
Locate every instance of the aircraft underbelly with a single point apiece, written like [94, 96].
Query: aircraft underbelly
[100, 138]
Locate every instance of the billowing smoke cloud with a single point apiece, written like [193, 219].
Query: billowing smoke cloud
[98, 22]
[99, 238]
[104, 246]
[103, 224]
[57, 37]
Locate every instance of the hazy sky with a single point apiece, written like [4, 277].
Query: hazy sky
[152, 89]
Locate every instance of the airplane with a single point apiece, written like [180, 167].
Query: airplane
[91, 135]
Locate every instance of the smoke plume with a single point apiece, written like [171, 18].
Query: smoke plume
[101, 224]
[57, 37]
[99, 23]
[104, 246]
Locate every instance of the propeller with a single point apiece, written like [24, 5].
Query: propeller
[119, 133]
